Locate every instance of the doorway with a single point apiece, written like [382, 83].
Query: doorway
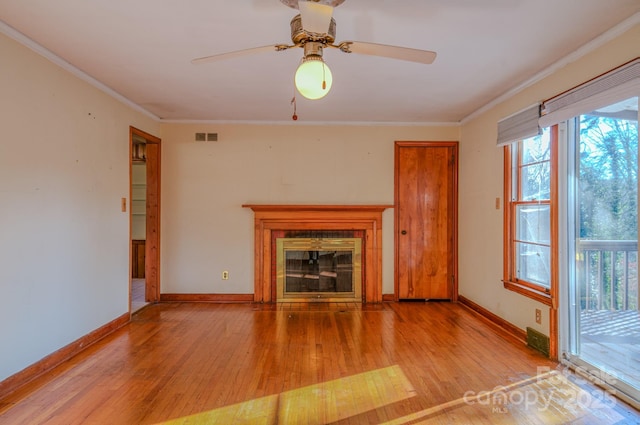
[603, 302]
[138, 223]
[144, 219]
[426, 193]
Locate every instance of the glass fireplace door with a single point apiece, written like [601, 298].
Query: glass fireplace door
[318, 269]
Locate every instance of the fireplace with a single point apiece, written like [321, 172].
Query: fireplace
[318, 269]
[340, 231]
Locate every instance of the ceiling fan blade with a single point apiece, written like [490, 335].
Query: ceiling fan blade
[393, 52]
[238, 53]
[316, 17]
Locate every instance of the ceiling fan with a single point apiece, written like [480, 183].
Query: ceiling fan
[313, 30]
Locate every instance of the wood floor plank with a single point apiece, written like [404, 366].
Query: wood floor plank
[201, 361]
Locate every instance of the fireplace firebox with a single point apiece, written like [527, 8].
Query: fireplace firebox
[313, 269]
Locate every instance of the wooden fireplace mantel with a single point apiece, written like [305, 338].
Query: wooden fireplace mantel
[352, 208]
[367, 218]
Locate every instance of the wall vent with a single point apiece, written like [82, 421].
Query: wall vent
[206, 137]
[538, 341]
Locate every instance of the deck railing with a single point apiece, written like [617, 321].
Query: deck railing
[607, 275]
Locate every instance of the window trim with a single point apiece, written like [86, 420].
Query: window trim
[547, 296]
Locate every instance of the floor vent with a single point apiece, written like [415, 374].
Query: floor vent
[538, 341]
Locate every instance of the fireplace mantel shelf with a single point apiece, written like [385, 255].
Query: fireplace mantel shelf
[284, 207]
[269, 218]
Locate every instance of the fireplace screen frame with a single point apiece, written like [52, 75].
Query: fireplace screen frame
[353, 245]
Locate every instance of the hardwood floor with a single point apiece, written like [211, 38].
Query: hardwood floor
[396, 363]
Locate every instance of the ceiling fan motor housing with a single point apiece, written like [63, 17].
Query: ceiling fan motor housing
[299, 36]
[294, 3]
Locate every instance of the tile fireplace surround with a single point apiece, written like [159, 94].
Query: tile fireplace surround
[269, 218]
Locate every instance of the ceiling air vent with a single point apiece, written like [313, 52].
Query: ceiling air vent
[200, 137]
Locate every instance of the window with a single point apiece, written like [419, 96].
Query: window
[530, 187]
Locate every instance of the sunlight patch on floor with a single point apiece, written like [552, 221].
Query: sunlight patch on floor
[316, 404]
[548, 398]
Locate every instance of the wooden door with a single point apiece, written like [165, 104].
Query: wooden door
[426, 176]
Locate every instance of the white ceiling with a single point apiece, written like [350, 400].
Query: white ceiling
[141, 49]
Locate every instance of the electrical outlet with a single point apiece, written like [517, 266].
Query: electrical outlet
[225, 275]
[538, 316]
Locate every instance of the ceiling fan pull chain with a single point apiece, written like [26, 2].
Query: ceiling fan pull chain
[293, 102]
[324, 80]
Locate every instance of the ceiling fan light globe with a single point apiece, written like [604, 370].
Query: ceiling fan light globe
[310, 76]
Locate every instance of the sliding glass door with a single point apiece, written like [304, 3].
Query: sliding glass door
[604, 321]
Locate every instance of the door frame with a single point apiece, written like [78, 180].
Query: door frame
[152, 243]
[426, 144]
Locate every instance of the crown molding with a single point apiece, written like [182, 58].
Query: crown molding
[316, 123]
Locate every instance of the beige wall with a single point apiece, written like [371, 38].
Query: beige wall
[481, 178]
[64, 166]
[205, 230]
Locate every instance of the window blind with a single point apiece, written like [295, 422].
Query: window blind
[521, 125]
[616, 85]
